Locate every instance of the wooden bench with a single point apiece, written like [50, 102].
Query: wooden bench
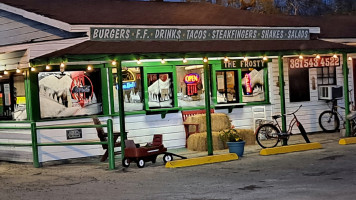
[185, 115]
[104, 137]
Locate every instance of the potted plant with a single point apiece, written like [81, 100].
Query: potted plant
[234, 141]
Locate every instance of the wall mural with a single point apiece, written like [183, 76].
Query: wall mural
[74, 93]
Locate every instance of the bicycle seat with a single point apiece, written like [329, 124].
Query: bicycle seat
[276, 116]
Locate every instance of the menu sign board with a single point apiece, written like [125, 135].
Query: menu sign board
[197, 34]
[311, 62]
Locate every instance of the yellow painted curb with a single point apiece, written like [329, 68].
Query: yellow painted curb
[201, 160]
[290, 148]
[350, 140]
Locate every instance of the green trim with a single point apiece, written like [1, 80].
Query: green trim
[239, 78]
[345, 71]
[135, 112]
[282, 96]
[110, 57]
[34, 99]
[120, 92]
[111, 89]
[207, 76]
[104, 90]
[265, 77]
[8, 122]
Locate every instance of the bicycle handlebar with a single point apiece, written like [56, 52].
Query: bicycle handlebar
[292, 113]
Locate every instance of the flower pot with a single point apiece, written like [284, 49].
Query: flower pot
[236, 147]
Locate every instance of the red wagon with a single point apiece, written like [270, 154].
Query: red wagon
[141, 155]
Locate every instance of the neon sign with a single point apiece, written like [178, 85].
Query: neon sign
[248, 84]
[128, 85]
[191, 78]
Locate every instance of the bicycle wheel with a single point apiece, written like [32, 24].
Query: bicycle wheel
[329, 121]
[267, 136]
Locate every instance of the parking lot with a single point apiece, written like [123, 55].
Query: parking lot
[327, 173]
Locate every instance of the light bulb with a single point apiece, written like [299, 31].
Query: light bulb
[226, 59]
[205, 60]
[265, 58]
[163, 61]
[113, 62]
[185, 60]
[300, 57]
[139, 61]
[48, 67]
[89, 67]
[33, 69]
[335, 56]
[18, 70]
[317, 56]
[245, 59]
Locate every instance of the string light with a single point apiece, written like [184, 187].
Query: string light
[265, 58]
[245, 59]
[205, 60]
[317, 56]
[350, 58]
[48, 67]
[163, 61]
[89, 68]
[185, 60]
[113, 62]
[18, 70]
[33, 69]
[226, 59]
[61, 67]
[139, 61]
[335, 56]
[6, 72]
[300, 57]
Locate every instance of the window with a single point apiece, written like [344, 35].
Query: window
[190, 86]
[13, 97]
[326, 75]
[299, 85]
[132, 89]
[253, 86]
[70, 93]
[160, 90]
[227, 90]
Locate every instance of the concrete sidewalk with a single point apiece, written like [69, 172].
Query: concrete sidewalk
[322, 138]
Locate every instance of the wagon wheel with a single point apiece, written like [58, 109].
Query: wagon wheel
[167, 158]
[126, 162]
[140, 163]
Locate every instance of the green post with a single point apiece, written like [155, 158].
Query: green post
[111, 145]
[123, 135]
[36, 162]
[345, 71]
[282, 96]
[207, 106]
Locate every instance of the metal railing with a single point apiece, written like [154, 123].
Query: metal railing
[34, 143]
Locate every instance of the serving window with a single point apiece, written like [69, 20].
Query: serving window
[241, 81]
[70, 93]
[12, 97]
[132, 89]
[191, 92]
[227, 90]
[160, 90]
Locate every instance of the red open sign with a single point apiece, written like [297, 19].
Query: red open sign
[191, 78]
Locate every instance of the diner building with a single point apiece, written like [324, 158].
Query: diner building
[142, 63]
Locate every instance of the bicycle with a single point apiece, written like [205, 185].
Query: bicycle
[329, 120]
[268, 135]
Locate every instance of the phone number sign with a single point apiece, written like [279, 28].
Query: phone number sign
[313, 62]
